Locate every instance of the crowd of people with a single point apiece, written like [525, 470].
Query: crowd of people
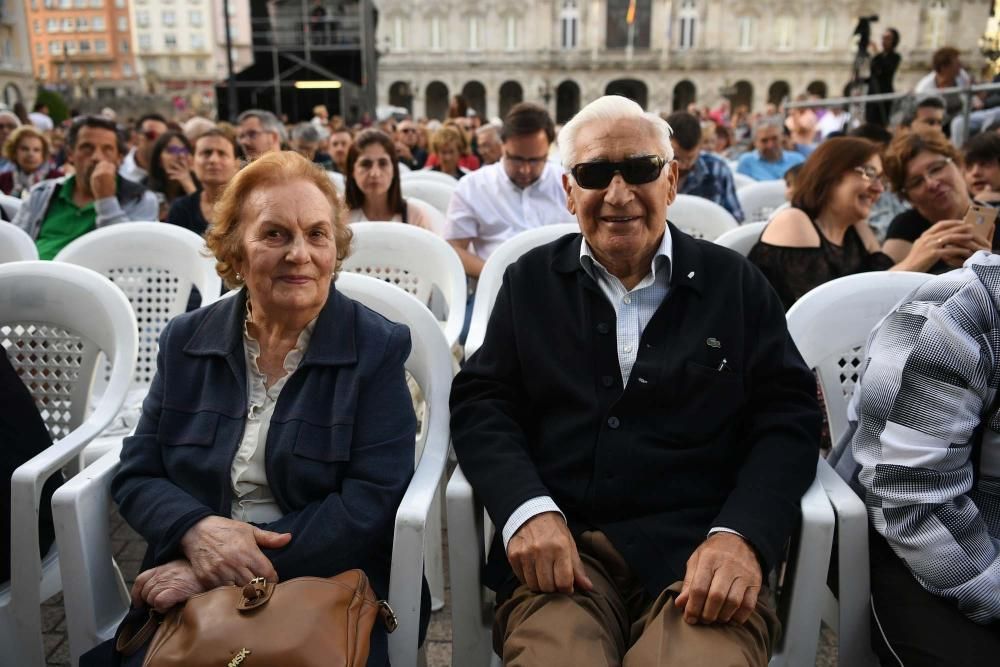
[642, 445]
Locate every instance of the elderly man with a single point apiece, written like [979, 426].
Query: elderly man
[700, 173]
[488, 144]
[306, 140]
[135, 165]
[60, 210]
[408, 149]
[522, 191]
[769, 161]
[259, 132]
[638, 424]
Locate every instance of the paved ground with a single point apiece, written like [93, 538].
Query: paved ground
[129, 548]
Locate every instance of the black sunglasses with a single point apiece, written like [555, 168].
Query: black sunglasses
[635, 171]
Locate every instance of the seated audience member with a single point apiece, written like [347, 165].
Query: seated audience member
[922, 453]
[928, 114]
[195, 127]
[372, 189]
[769, 161]
[170, 175]
[135, 165]
[339, 143]
[488, 144]
[981, 156]
[925, 170]
[835, 119]
[889, 204]
[790, 177]
[259, 132]
[28, 150]
[521, 192]
[947, 72]
[306, 140]
[643, 482]
[467, 160]
[60, 210]
[215, 164]
[725, 142]
[700, 173]
[195, 482]
[825, 234]
[407, 145]
[801, 124]
[446, 150]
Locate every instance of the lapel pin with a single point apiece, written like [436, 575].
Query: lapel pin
[713, 342]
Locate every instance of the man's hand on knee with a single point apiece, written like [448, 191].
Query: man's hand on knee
[544, 557]
[722, 581]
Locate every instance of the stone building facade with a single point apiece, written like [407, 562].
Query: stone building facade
[564, 53]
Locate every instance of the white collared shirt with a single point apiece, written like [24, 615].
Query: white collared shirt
[130, 169]
[489, 208]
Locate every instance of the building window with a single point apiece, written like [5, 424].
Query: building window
[68, 25]
[169, 18]
[55, 47]
[60, 71]
[475, 31]
[84, 46]
[77, 71]
[746, 33]
[174, 64]
[629, 23]
[436, 33]
[97, 4]
[65, 4]
[197, 41]
[97, 24]
[398, 36]
[39, 49]
[106, 71]
[145, 42]
[122, 24]
[688, 23]
[82, 24]
[234, 31]
[81, 4]
[124, 46]
[194, 17]
[91, 71]
[569, 22]
[34, 5]
[52, 25]
[824, 33]
[127, 69]
[51, 4]
[510, 41]
[937, 24]
[199, 65]
[101, 45]
[784, 29]
[170, 41]
[142, 18]
[69, 46]
[120, 4]
[41, 71]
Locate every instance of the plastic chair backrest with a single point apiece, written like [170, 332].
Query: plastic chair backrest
[15, 244]
[743, 238]
[851, 307]
[436, 194]
[437, 219]
[10, 205]
[155, 264]
[414, 260]
[740, 180]
[701, 218]
[492, 275]
[759, 199]
[428, 175]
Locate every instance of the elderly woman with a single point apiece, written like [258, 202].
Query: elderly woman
[926, 170]
[215, 164]
[29, 152]
[277, 438]
[448, 145]
[372, 187]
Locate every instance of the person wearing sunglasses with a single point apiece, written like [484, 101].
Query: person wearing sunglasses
[926, 170]
[170, 174]
[135, 166]
[408, 145]
[637, 422]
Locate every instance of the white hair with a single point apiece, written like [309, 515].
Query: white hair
[611, 108]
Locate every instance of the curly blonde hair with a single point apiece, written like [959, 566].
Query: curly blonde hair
[10, 146]
[225, 236]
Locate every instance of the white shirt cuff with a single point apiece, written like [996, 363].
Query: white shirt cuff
[720, 529]
[527, 510]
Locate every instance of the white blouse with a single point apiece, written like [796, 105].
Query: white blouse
[252, 497]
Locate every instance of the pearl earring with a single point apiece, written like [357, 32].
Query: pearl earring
[239, 277]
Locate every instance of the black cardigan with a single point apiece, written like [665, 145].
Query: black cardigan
[540, 410]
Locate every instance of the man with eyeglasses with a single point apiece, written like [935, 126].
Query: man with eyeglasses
[408, 150]
[259, 132]
[135, 166]
[770, 161]
[699, 173]
[637, 422]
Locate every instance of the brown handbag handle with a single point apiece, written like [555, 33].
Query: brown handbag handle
[129, 642]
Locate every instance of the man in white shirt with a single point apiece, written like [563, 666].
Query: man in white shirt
[522, 191]
[40, 117]
[135, 166]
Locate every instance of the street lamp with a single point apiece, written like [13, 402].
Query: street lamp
[545, 91]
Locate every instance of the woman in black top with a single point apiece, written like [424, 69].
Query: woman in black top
[824, 234]
[215, 164]
[925, 169]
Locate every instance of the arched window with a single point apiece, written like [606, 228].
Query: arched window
[688, 23]
[937, 24]
[511, 93]
[569, 24]
[567, 101]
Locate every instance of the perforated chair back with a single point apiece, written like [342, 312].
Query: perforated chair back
[701, 218]
[760, 199]
[428, 175]
[15, 244]
[434, 193]
[491, 277]
[10, 205]
[743, 238]
[156, 265]
[415, 260]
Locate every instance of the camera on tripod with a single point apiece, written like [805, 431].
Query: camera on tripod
[864, 31]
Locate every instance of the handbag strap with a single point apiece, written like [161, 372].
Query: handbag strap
[129, 642]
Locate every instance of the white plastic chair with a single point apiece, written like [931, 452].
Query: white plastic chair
[54, 320]
[739, 180]
[830, 326]
[491, 277]
[10, 205]
[701, 218]
[437, 219]
[94, 594]
[743, 238]
[337, 179]
[156, 265]
[436, 194]
[15, 244]
[428, 175]
[414, 260]
[760, 199]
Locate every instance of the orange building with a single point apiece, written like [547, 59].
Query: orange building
[82, 48]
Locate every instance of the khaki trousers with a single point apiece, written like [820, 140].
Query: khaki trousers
[618, 624]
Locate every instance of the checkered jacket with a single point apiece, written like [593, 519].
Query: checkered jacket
[924, 447]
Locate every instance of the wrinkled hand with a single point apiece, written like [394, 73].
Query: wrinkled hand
[951, 241]
[222, 551]
[722, 581]
[103, 182]
[543, 555]
[166, 586]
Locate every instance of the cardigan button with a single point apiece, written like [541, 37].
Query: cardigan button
[607, 380]
[603, 328]
[614, 422]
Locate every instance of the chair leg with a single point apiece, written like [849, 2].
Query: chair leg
[433, 552]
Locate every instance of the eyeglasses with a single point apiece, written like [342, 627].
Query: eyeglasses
[871, 174]
[151, 135]
[8, 126]
[408, 130]
[248, 135]
[635, 171]
[178, 150]
[935, 171]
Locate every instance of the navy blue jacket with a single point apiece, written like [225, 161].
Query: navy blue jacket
[718, 425]
[340, 447]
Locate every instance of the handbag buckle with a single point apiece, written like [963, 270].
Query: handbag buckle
[255, 594]
[388, 616]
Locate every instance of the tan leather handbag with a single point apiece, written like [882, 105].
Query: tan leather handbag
[303, 622]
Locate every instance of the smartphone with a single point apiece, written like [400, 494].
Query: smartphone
[982, 218]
